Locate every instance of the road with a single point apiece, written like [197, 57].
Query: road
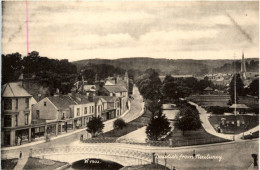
[136, 110]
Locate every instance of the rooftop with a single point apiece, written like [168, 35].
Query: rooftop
[14, 89]
[62, 102]
[115, 89]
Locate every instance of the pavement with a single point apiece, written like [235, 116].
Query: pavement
[210, 129]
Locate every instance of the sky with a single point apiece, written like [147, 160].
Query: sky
[110, 30]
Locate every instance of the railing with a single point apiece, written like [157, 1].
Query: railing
[167, 143]
[121, 152]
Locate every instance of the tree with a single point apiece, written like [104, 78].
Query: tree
[157, 127]
[239, 88]
[119, 123]
[189, 119]
[253, 88]
[95, 125]
[11, 67]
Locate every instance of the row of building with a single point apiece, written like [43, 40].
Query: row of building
[24, 119]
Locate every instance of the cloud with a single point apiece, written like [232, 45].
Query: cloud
[120, 29]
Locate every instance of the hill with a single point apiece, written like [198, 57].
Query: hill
[166, 66]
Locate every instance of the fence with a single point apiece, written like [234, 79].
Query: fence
[168, 143]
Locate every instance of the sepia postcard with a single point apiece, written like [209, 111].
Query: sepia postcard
[127, 85]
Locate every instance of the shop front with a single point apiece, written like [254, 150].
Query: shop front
[21, 136]
[62, 127]
[51, 129]
[38, 132]
[78, 123]
[70, 125]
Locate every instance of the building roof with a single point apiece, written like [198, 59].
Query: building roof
[168, 106]
[97, 98]
[171, 114]
[238, 106]
[14, 89]
[208, 89]
[109, 98]
[115, 89]
[62, 102]
[110, 82]
[89, 87]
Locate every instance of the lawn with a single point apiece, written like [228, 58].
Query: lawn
[8, 163]
[246, 122]
[197, 137]
[36, 163]
[131, 126]
[254, 135]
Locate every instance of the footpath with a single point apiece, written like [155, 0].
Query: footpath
[209, 128]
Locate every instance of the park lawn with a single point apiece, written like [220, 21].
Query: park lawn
[146, 167]
[251, 121]
[9, 163]
[254, 135]
[196, 137]
[35, 163]
[131, 126]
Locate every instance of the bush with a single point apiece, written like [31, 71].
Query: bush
[218, 109]
[95, 126]
[119, 123]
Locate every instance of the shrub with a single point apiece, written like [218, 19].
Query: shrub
[95, 126]
[119, 123]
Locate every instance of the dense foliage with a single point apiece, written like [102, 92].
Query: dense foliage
[119, 124]
[149, 85]
[100, 72]
[52, 72]
[253, 88]
[95, 126]
[189, 118]
[173, 89]
[218, 109]
[157, 127]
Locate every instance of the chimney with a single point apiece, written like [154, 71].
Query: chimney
[91, 96]
[73, 94]
[57, 93]
[20, 80]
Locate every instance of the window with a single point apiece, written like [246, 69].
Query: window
[78, 112]
[16, 104]
[45, 103]
[63, 116]
[8, 104]
[92, 109]
[7, 121]
[27, 103]
[37, 114]
[85, 110]
[26, 119]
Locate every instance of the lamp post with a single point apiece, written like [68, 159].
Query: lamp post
[165, 159]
